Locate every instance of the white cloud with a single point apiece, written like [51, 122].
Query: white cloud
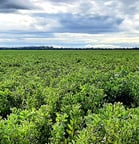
[102, 46]
[15, 22]
[50, 8]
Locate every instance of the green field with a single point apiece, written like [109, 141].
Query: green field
[69, 97]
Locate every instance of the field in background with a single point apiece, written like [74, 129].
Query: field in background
[61, 97]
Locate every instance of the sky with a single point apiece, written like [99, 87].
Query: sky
[69, 23]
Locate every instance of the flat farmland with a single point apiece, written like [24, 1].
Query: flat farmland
[69, 96]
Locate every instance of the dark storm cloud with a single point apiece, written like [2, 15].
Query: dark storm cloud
[13, 5]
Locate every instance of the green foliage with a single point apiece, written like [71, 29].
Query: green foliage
[112, 124]
[26, 126]
[123, 88]
[61, 97]
[6, 102]
[58, 131]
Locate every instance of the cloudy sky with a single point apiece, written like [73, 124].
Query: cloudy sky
[69, 23]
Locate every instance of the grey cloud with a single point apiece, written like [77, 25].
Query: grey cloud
[129, 7]
[62, 1]
[25, 34]
[125, 7]
[129, 2]
[86, 23]
[11, 5]
[89, 24]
